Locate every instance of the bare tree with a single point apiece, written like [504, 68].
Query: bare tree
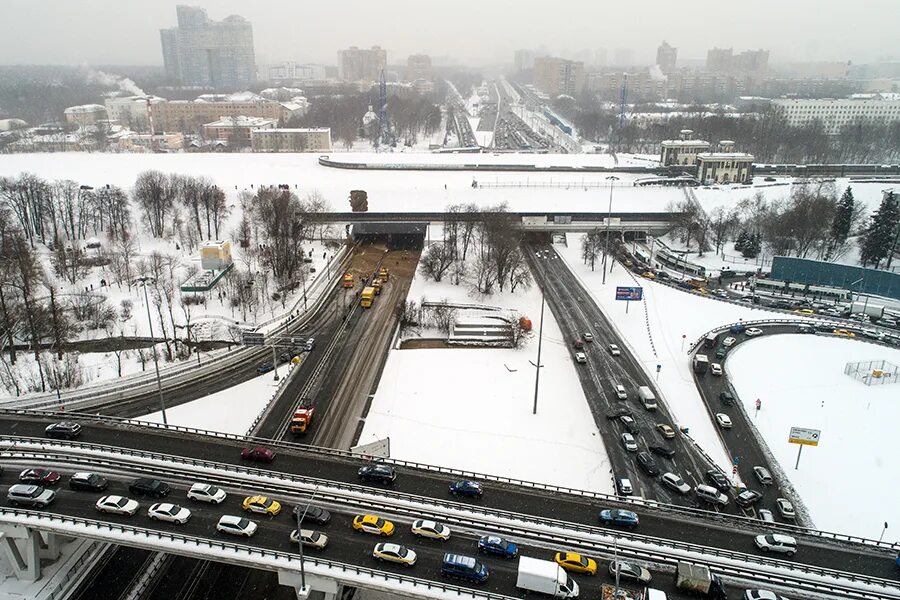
[435, 261]
[155, 193]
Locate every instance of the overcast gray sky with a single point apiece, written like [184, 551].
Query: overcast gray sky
[471, 31]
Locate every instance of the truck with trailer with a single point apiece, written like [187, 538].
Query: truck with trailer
[701, 364]
[303, 416]
[710, 341]
[699, 580]
[545, 577]
[873, 311]
[647, 398]
[368, 297]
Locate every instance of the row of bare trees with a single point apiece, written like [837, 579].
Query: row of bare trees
[481, 248]
[160, 195]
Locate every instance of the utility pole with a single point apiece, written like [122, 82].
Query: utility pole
[537, 367]
[611, 179]
[162, 402]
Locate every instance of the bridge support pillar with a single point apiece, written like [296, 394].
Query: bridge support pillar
[317, 587]
[22, 548]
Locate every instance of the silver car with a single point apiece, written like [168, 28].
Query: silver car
[310, 538]
[673, 481]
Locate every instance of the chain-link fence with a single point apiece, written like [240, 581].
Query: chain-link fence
[873, 372]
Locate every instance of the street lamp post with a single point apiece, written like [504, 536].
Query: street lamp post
[162, 402]
[537, 367]
[611, 179]
[300, 517]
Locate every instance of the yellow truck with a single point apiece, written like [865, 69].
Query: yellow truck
[383, 274]
[368, 297]
[348, 280]
[376, 283]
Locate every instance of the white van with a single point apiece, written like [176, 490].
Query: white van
[647, 397]
[710, 494]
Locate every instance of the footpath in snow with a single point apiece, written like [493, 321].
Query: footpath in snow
[660, 331]
[471, 408]
[849, 481]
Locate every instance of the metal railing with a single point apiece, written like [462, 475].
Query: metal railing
[544, 531]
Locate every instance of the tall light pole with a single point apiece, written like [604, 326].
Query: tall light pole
[537, 367]
[611, 179]
[162, 401]
[300, 517]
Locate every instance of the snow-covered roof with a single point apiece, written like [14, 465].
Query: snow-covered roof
[241, 121]
[292, 106]
[685, 143]
[725, 156]
[84, 108]
[298, 129]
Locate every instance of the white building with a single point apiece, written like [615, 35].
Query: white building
[85, 114]
[725, 167]
[314, 139]
[132, 111]
[681, 152]
[837, 113]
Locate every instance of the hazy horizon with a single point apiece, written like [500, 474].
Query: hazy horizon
[98, 32]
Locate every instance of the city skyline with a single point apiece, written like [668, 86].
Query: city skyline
[129, 35]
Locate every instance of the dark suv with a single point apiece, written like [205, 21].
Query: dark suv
[384, 474]
[647, 464]
[89, 482]
[313, 514]
[64, 430]
[718, 479]
[149, 487]
[727, 398]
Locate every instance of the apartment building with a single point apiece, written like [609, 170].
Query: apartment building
[316, 139]
[834, 114]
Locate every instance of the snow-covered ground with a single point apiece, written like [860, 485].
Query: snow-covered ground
[232, 410]
[673, 321]
[471, 408]
[849, 481]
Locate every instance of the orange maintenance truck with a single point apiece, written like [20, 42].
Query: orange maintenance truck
[383, 274]
[376, 283]
[303, 416]
[348, 280]
[368, 297]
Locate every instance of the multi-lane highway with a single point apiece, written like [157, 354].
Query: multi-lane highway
[727, 534]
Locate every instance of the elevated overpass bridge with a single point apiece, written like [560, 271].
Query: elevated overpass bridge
[828, 565]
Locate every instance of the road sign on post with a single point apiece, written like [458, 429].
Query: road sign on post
[253, 338]
[803, 437]
[376, 449]
[758, 406]
[629, 293]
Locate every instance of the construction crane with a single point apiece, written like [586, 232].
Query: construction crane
[384, 137]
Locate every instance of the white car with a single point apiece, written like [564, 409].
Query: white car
[580, 357]
[390, 552]
[629, 443]
[753, 331]
[204, 492]
[715, 368]
[723, 420]
[117, 505]
[676, 483]
[233, 525]
[762, 595]
[785, 508]
[587, 336]
[621, 394]
[171, 513]
[775, 542]
[728, 342]
[312, 539]
[766, 515]
[614, 350]
[431, 530]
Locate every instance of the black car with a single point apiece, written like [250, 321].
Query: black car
[629, 424]
[618, 413]
[64, 430]
[727, 398]
[747, 497]
[647, 464]
[88, 482]
[718, 479]
[721, 352]
[312, 514]
[662, 451]
[146, 486]
[383, 474]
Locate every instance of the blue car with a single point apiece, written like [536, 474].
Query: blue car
[622, 518]
[466, 487]
[492, 544]
[265, 368]
[737, 328]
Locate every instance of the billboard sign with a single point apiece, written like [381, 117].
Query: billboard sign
[376, 449]
[805, 437]
[629, 293]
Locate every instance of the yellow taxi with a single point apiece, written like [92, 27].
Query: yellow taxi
[576, 563]
[805, 311]
[372, 524]
[261, 505]
[648, 275]
[844, 333]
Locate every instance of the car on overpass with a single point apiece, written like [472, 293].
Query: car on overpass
[753, 332]
[629, 443]
[723, 420]
[647, 464]
[467, 488]
[394, 553]
[204, 492]
[665, 430]
[776, 542]
[310, 538]
[614, 350]
[718, 479]
[785, 508]
[762, 594]
[265, 367]
[65, 430]
[88, 482]
[233, 525]
[747, 497]
[580, 357]
[663, 451]
[576, 563]
[258, 454]
[29, 495]
[374, 525]
[623, 486]
[380, 473]
[39, 476]
[431, 530]
[309, 513]
[619, 517]
[628, 570]
[675, 482]
[170, 513]
[117, 505]
[496, 545]
[146, 486]
[262, 505]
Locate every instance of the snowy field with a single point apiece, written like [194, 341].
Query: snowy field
[673, 321]
[472, 408]
[848, 482]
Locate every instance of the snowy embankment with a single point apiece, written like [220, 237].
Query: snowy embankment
[849, 481]
[471, 408]
[662, 334]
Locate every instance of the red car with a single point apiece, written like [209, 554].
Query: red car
[39, 476]
[578, 343]
[258, 454]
